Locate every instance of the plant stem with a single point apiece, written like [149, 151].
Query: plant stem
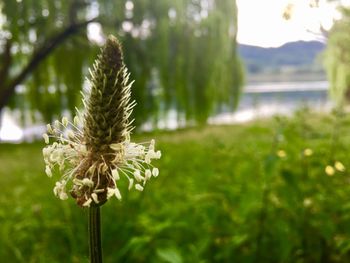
[95, 235]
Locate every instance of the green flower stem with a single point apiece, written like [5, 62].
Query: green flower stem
[95, 234]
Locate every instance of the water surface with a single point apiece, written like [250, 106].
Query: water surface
[259, 100]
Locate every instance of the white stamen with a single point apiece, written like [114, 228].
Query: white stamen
[56, 124]
[48, 171]
[70, 134]
[88, 202]
[117, 194]
[49, 129]
[155, 172]
[139, 187]
[115, 174]
[76, 121]
[95, 198]
[46, 138]
[137, 175]
[87, 182]
[148, 174]
[63, 196]
[131, 183]
[65, 121]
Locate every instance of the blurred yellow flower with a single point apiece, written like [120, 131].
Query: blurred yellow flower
[307, 202]
[339, 166]
[329, 170]
[308, 152]
[281, 154]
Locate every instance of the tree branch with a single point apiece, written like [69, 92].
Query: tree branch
[41, 53]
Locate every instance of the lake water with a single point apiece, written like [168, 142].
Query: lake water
[259, 100]
[267, 99]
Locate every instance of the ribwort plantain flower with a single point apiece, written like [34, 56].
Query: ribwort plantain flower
[94, 152]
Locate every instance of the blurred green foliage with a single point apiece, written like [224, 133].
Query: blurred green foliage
[182, 54]
[242, 193]
[337, 58]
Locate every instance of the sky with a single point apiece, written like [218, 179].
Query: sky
[260, 22]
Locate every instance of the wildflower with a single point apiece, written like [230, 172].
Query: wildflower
[329, 170]
[339, 166]
[94, 151]
[307, 202]
[308, 152]
[281, 154]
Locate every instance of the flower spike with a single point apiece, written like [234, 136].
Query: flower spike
[94, 151]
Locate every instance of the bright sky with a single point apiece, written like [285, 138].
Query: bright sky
[260, 22]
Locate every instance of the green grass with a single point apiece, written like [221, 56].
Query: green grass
[223, 195]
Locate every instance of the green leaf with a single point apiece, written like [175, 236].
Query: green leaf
[170, 255]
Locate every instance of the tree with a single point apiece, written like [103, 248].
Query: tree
[337, 59]
[182, 54]
[34, 36]
[185, 59]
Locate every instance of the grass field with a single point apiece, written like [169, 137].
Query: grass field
[241, 193]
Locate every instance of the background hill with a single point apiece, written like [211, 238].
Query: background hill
[291, 59]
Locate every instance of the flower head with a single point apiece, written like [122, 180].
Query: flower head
[329, 170]
[281, 154]
[308, 152]
[94, 151]
[307, 202]
[339, 166]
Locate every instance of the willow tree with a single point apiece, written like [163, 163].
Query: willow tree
[182, 53]
[188, 48]
[337, 59]
[43, 50]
